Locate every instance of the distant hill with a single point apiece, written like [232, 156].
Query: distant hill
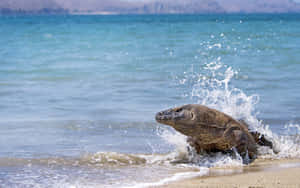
[259, 6]
[149, 6]
[30, 6]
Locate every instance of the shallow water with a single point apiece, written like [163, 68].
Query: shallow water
[78, 94]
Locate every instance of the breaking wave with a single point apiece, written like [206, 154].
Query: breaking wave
[100, 159]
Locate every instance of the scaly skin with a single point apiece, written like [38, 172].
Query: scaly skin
[210, 130]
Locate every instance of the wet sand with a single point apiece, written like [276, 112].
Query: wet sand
[261, 174]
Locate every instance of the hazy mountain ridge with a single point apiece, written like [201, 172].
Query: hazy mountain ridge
[29, 5]
[153, 6]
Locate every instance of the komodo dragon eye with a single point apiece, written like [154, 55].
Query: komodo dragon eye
[178, 109]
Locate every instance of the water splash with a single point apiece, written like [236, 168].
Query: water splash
[184, 154]
[212, 87]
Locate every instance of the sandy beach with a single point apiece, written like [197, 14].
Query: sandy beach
[261, 174]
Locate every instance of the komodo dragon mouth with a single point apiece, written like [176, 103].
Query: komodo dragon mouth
[175, 115]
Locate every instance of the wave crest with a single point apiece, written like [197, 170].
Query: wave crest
[113, 158]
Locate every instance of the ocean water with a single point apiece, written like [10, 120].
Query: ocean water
[78, 94]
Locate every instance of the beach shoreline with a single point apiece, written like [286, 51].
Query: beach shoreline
[262, 173]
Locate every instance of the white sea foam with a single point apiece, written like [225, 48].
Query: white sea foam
[176, 177]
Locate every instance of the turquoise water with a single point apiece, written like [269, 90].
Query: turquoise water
[74, 86]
